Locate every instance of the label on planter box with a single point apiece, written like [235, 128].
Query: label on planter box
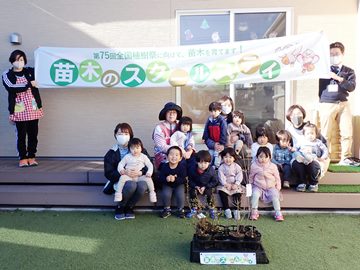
[227, 258]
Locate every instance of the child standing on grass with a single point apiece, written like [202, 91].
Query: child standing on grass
[230, 177]
[282, 155]
[266, 185]
[172, 176]
[215, 133]
[310, 152]
[262, 139]
[238, 134]
[135, 160]
[202, 180]
[184, 137]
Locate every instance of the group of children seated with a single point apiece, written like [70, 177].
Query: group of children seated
[219, 168]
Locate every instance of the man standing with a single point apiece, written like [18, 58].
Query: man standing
[334, 106]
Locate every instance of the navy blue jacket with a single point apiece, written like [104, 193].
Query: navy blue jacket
[179, 171]
[215, 131]
[346, 86]
[208, 179]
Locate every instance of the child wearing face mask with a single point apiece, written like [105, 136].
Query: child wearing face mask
[262, 139]
[307, 157]
[25, 106]
[135, 160]
[227, 107]
[184, 137]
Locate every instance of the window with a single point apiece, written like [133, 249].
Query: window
[260, 102]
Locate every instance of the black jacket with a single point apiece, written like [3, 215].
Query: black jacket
[208, 179]
[346, 86]
[9, 81]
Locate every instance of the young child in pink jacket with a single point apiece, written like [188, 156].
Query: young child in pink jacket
[266, 184]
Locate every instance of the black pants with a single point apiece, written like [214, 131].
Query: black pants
[236, 200]
[194, 200]
[29, 129]
[313, 170]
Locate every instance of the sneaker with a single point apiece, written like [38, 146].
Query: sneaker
[227, 213]
[119, 213]
[301, 188]
[166, 213]
[152, 196]
[236, 214]
[286, 184]
[348, 162]
[129, 214]
[192, 213]
[217, 161]
[254, 215]
[32, 162]
[278, 216]
[23, 163]
[313, 188]
[118, 197]
[212, 213]
[181, 213]
[108, 188]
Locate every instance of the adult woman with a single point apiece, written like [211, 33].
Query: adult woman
[132, 191]
[296, 115]
[227, 107]
[25, 106]
[163, 131]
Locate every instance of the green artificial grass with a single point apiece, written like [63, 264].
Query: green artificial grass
[339, 188]
[94, 240]
[343, 169]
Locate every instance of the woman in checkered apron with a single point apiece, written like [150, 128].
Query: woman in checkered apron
[24, 106]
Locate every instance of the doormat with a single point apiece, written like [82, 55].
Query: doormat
[339, 188]
[335, 168]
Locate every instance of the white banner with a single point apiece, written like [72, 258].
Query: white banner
[297, 57]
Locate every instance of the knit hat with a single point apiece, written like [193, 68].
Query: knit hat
[168, 107]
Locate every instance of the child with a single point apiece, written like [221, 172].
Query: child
[309, 152]
[202, 180]
[184, 137]
[238, 134]
[265, 179]
[262, 139]
[215, 133]
[282, 155]
[230, 178]
[172, 176]
[135, 160]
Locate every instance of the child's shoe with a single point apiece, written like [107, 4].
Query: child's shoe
[166, 213]
[152, 196]
[254, 215]
[227, 213]
[192, 213]
[32, 162]
[236, 214]
[286, 184]
[314, 188]
[301, 188]
[217, 161]
[278, 216]
[212, 213]
[23, 163]
[181, 213]
[118, 197]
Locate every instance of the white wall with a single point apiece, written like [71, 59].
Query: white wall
[79, 122]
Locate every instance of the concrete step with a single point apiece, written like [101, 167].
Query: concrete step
[92, 196]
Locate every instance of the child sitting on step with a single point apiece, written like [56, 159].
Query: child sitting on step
[135, 160]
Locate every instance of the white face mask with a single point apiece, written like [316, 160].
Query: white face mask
[336, 60]
[297, 120]
[122, 140]
[18, 64]
[226, 109]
